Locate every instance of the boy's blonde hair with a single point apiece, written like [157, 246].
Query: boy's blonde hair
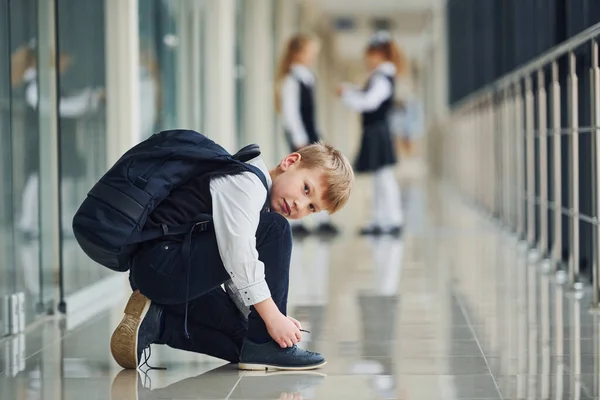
[338, 175]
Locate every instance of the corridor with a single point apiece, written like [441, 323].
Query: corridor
[451, 310]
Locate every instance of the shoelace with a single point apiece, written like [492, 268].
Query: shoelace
[146, 358]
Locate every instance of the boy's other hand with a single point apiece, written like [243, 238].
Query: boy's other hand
[284, 331]
[296, 322]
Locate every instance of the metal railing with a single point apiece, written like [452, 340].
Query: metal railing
[497, 154]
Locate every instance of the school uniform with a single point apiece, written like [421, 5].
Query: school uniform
[377, 152]
[299, 121]
[298, 107]
[249, 250]
[230, 252]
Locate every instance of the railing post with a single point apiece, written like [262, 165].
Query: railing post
[557, 162]
[511, 178]
[530, 160]
[520, 169]
[573, 109]
[478, 137]
[543, 163]
[506, 153]
[595, 75]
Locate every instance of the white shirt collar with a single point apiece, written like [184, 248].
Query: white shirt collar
[387, 68]
[303, 73]
[29, 74]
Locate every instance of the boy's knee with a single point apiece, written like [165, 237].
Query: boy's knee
[277, 225]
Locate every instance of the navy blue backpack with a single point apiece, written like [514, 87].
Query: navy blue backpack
[109, 224]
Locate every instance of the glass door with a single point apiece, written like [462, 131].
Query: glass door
[7, 270]
[20, 278]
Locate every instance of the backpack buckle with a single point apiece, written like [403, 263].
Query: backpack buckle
[202, 226]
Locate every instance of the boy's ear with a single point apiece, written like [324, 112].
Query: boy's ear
[290, 160]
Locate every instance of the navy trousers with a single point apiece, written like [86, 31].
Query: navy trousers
[216, 327]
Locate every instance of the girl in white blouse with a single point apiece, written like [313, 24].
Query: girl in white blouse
[377, 153]
[295, 101]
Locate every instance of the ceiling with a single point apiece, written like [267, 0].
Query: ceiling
[375, 7]
[409, 19]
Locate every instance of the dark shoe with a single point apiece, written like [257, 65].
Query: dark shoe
[139, 328]
[300, 231]
[394, 231]
[370, 230]
[327, 229]
[266, 356]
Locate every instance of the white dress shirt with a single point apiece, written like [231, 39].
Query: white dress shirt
[290, 100]
[237, 202]
[379, 91]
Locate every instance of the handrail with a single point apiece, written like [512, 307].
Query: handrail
[537, 63]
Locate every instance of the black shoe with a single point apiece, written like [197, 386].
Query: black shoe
[300, 230]
[327, 228]
[393, 231]
[139, 328]
[266, 356]
[371, 230]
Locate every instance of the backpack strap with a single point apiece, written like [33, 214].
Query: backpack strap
[247, 153]
[263, 179]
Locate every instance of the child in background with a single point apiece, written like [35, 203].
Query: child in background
[295, 101]
[377, 154]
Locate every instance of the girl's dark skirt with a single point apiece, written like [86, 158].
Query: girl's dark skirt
[377, 149]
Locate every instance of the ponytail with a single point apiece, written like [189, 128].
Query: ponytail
[294, 46]
[21, 60]
[382, 42]
[398, 58]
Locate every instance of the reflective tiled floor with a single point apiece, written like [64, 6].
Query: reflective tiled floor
[452, 310]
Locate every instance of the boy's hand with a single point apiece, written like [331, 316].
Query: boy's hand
[284, 331]
[296, 322]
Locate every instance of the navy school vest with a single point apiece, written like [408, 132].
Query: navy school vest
[380, 114]
[307, 109]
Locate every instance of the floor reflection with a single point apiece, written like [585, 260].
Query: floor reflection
[378, 312]
[457, 309]
[220, 383]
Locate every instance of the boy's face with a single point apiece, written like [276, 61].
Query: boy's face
[296, 191]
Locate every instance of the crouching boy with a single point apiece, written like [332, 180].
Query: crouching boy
[245, 243]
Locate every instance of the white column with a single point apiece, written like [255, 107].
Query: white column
[122, 77]
[219, 67]
[259, 101]
[440, 62]
[48, 124]
[185, 55]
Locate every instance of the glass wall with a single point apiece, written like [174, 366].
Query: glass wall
[74, 62]
[158, 63]
[171, 57]
[82, 125]
[20, 286]
[6, 220]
